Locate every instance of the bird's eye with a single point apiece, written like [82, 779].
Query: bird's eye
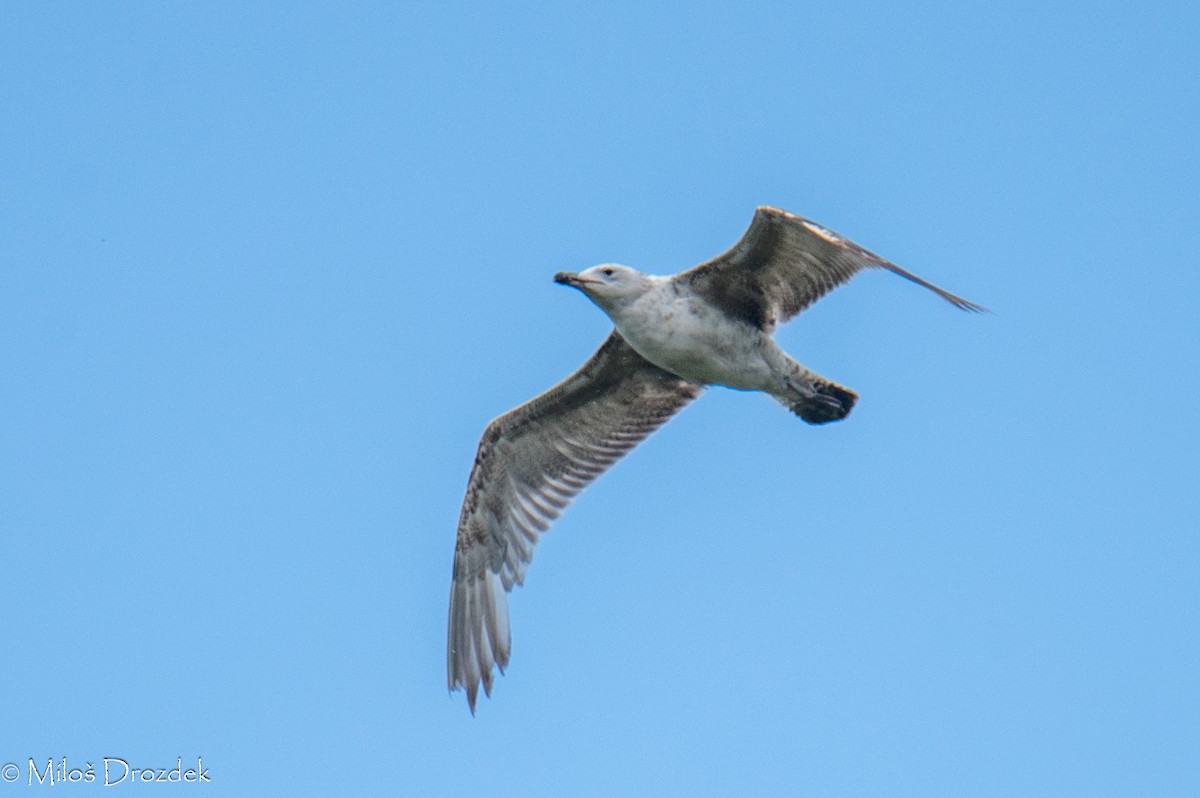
[609, 272]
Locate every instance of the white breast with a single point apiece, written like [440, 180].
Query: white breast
[686, 336]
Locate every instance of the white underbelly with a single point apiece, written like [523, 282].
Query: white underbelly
[701, 345]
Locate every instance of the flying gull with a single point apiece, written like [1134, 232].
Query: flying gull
[710, 325]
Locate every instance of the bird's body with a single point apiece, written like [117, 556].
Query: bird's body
[674, 335]
[685, 335]
[681, 332]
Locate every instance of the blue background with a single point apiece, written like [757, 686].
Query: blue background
[267, 271]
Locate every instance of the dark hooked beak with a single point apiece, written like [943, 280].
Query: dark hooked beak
[572, 279]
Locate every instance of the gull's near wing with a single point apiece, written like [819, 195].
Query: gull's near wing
[531, 462]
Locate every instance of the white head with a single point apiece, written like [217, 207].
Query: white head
[609, 285]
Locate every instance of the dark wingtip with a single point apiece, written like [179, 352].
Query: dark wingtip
[968, 305]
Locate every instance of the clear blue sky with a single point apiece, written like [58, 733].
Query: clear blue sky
[266, 272]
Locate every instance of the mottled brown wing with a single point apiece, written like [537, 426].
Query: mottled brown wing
[531, 462]
[782, 264]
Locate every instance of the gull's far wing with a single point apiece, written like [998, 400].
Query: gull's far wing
[782, 264]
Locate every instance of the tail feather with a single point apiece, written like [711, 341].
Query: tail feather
[817, 400]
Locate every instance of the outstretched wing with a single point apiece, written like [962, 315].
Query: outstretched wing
[531, 462]
[782, 264]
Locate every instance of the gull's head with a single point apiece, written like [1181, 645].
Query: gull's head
[609, 285]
